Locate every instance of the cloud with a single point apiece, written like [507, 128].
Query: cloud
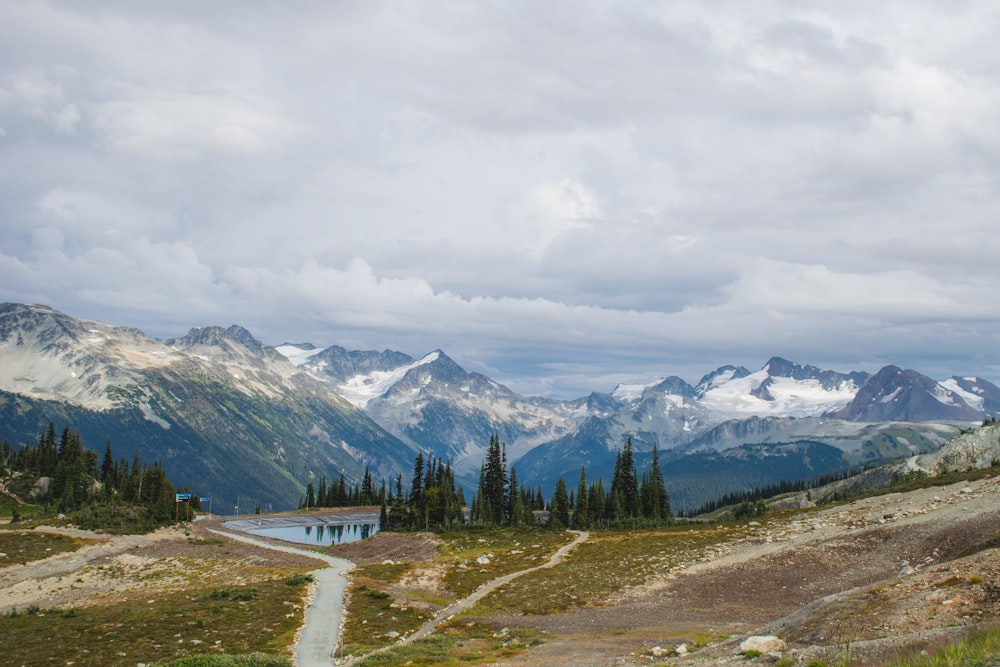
[557, 193]
[183, 127]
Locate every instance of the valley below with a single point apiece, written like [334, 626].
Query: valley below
[862, 582]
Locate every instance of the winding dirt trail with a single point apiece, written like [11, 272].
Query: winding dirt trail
[477, 595]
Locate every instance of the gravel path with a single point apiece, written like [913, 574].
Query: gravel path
[320, 635]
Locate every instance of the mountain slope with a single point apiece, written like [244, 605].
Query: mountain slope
[894, 394]
[221, 408]
[436, 406]
[228, 416]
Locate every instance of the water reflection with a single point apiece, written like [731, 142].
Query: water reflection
[320, 534]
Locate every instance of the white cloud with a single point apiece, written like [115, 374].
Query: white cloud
[182, 127]
[578, 188]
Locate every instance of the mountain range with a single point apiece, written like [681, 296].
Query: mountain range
[249, 423]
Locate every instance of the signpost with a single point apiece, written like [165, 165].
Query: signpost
[182, 498]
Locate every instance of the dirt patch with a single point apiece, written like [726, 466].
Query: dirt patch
[870, 577]
[832, 576]
[110, 568]
[388, 546]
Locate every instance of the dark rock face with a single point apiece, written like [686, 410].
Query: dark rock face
[894, 394]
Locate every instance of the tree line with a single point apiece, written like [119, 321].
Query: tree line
[63, 476]
[339, 493]
[433, 500]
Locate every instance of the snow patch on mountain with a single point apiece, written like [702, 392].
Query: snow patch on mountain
[943, 395]
[888, 398]
[973, 399]
[791, 398]
[632, 392]
[361, 389]
[297, 355]
[149, 415]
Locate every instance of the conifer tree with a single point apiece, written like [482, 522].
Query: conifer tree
[581, 515]
[493, 483]
[559, 516]
[108, 468]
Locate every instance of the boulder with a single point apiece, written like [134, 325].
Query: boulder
[762, 644]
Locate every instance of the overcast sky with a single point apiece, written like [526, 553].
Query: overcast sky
[561, 195]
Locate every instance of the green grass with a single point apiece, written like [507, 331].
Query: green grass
[376, 609]
[457, 643]
[980, 648]
[508, 549]
[160, 628]
[25, 547]
[605, 565]
[247, 660]
[373, 612]
[426, 652]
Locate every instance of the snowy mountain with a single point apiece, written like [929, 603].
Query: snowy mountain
[226, 414]
[894, 394]
[435, 406]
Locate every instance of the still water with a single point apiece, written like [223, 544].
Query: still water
[321, 534]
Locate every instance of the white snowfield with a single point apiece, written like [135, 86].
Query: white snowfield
[974, 401]
[727, 396]
[359, 390]
[792, 398]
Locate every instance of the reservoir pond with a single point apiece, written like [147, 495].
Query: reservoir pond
[322, 535]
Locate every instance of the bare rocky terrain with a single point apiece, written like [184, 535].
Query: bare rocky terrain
[109, 568]
[866, 578]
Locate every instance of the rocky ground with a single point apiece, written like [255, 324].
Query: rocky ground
[866, 578]
[111, 567]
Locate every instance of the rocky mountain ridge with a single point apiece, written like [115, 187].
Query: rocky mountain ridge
[303, 412]
[227, 415]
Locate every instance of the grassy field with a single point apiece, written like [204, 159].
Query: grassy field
[160, 628]
[605, 565]
[24, 547]
[608, 564]
[379, 607]
[216, 619]
[506, 550]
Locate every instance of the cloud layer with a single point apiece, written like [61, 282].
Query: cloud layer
[563, 195]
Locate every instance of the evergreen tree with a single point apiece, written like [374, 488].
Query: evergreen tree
[515, 507]
[367, 488]
[493, 483]
[656, 501]
[623, 505]
[108, 468]
[581, 515]
[559, 516]
[323, 494]
[417, 506]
